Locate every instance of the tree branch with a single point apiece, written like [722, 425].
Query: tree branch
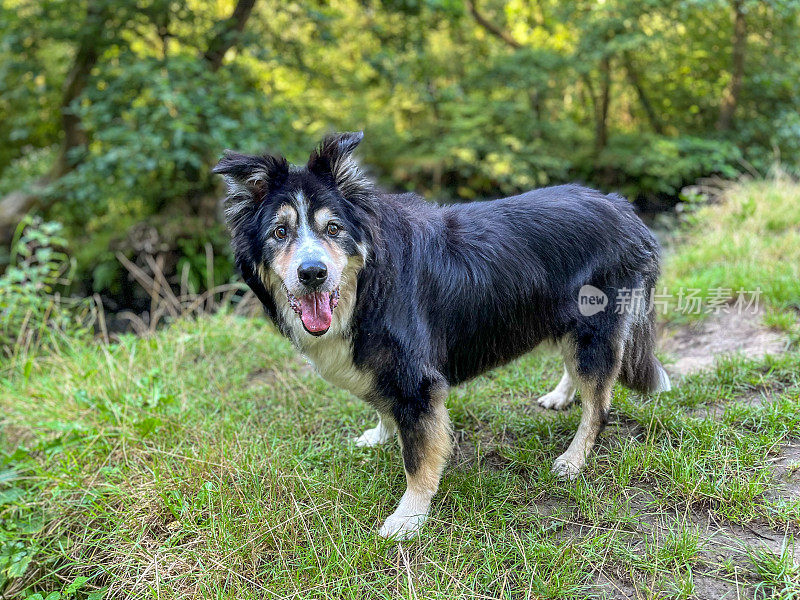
[228, 33]
[633, 78]
[491, 27]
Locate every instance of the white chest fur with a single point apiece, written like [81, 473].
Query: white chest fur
[333, 359]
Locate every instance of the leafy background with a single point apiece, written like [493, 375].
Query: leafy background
[113, 112]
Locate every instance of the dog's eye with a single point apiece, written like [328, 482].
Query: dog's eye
[280, 233]
[333, 229]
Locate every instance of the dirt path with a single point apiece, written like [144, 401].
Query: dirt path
[694, 347]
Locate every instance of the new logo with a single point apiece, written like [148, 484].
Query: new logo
[591, 300]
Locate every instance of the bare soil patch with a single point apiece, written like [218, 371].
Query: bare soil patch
[694, 347]
[787, 475]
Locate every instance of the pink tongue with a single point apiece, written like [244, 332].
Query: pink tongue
[316, 311]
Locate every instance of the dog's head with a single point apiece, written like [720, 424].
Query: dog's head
[301, 232]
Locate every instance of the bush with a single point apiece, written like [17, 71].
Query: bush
[32, 310]
[642, 165]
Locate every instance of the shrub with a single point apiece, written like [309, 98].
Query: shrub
[32, 309]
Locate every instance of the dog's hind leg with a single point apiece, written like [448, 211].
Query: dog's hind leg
[596, 365]
[426, 441]
[380, 434]
[595, 404]
[562, 396]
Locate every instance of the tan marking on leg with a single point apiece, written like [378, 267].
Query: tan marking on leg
[595, 403]
[421, 486]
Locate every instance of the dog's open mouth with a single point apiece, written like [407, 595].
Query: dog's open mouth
[315, 310]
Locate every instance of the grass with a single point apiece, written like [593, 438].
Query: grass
[780, 574]
[748, 239]
[208, 460]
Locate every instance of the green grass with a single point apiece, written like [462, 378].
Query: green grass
[209, 461]
[748, 239]
[779, 573]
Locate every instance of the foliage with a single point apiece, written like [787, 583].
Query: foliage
[26, 168]
[31, 308]
[155, 128]
[459, 100]
[654, 165]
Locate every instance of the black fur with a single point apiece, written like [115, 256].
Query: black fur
[468, 287]
[449, 292]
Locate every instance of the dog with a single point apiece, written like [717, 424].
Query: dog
[396, 299]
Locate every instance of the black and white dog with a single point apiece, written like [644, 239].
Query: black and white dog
[396, 299]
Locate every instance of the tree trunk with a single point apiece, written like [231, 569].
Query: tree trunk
[601, 106]
[86, 56]
[633, 78]
[14, 206]
[228, 33]
[74, 135]
[730, 97]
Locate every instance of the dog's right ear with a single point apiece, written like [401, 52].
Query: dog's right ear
[333, 161]
[251, 176]
[249, 179]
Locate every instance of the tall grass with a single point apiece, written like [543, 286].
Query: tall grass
[746, 239]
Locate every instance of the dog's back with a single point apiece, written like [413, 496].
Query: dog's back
[496, 278]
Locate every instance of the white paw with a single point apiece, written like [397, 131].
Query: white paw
[555, 400]
[372, 437]
[402, 527]
[567, 467]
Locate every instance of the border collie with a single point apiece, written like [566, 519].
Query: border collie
[396, 299]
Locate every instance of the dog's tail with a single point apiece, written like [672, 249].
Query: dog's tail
[641, 370]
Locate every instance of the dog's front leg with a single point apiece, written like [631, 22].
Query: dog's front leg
[380, 434]
[426, 441]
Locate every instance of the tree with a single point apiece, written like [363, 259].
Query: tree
[730, 97]
[104, 25]
[227, 33]
[111, 112]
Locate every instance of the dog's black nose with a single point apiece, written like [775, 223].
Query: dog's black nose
[312, 273]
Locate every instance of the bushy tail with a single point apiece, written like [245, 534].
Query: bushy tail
[641, 370]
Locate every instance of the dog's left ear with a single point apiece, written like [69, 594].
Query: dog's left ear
[333, 159]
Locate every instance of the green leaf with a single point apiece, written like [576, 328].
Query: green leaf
[11, 496]
[19, 564]
[76, 585]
